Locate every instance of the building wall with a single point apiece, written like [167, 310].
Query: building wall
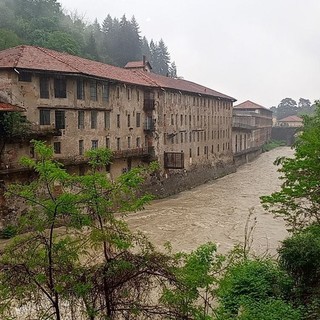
[130, 117]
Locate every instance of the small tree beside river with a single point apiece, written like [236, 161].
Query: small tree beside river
[74, 256]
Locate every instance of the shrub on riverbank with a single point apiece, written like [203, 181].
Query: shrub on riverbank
[272, 144]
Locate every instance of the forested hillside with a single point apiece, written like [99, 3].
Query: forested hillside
[115, 41]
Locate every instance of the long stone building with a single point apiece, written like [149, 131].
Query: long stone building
[77, 104]
[251, 129]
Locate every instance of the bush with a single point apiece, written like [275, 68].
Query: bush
[252, 280]
[272, 144]
[8, 232]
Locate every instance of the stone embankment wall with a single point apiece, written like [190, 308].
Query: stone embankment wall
[246, 156]
[177, 181]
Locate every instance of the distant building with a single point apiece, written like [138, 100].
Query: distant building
[75, 104]
[251, 127]
[290, 121]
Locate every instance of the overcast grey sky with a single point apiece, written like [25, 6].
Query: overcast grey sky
[261, 50]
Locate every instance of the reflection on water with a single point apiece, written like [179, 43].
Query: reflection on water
[217, 211]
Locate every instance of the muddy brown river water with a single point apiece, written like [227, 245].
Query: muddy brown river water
[217, 211]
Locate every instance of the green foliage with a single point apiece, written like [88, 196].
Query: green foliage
[8, 39]
[298, 201]
[8, 232]
[299, 256]
[64, 42]
[256, 281]
[13, 125]
[272, 144]
[43, 23]
[270, 309]
[95, 262]
[195, 274]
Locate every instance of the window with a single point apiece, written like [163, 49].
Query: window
[129, 122]
[138, 120]
[44, 117]
[118, 120]
[129, 93]
[60, 119]
[105, 91]
[93, 90]
[94, 118]
[108, 142]
[94, 144]
[81, 119]
[118, 92]
[129, 142]
[107, 119]
[138, 142]
[138, 95]
[118, 144]
[57, 147]
[24, 76]
[181, 137]
[60, 88]
[81, 147]
[80, 89]
[44, 88]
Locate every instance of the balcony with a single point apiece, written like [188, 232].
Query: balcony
[174, 160]
[133, 153]
[37, 130]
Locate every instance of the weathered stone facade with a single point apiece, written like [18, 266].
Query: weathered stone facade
[251, 129]
[77, 104]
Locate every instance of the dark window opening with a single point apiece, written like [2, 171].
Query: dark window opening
[60, 120]
[93, 90]
[44, 117]
[25, 76]
[94, 119]
[80, 89]
[94, 144]
[81, 119]
[44, 88]
[57, 147]
[105, 92]
[81, 147]
[60, 88]
[138, 119]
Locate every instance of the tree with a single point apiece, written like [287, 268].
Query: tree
[299, 256]
[8, 39]
[255, 289]
[63, 42]
[287, 107]
[13, 126]
[94, 266]
[298, 201]
[305, 107]
[173, 70]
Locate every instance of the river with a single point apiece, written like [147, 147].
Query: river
[217, 211]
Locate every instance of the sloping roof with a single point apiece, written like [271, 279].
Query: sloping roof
[291, 119]
[250, 105]
[9, 107]
[42, 59]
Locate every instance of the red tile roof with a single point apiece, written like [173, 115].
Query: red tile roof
[42, 59]
[291, 119]
[250, 105]
[134, 64]
[9, 107]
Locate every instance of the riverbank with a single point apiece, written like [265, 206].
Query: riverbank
[217, 211]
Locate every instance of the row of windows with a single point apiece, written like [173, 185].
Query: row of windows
[95, 144]
[60, 87]
[195, 120]
[224, 147]
[60, 115]
[202, 136]
[179, 98]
